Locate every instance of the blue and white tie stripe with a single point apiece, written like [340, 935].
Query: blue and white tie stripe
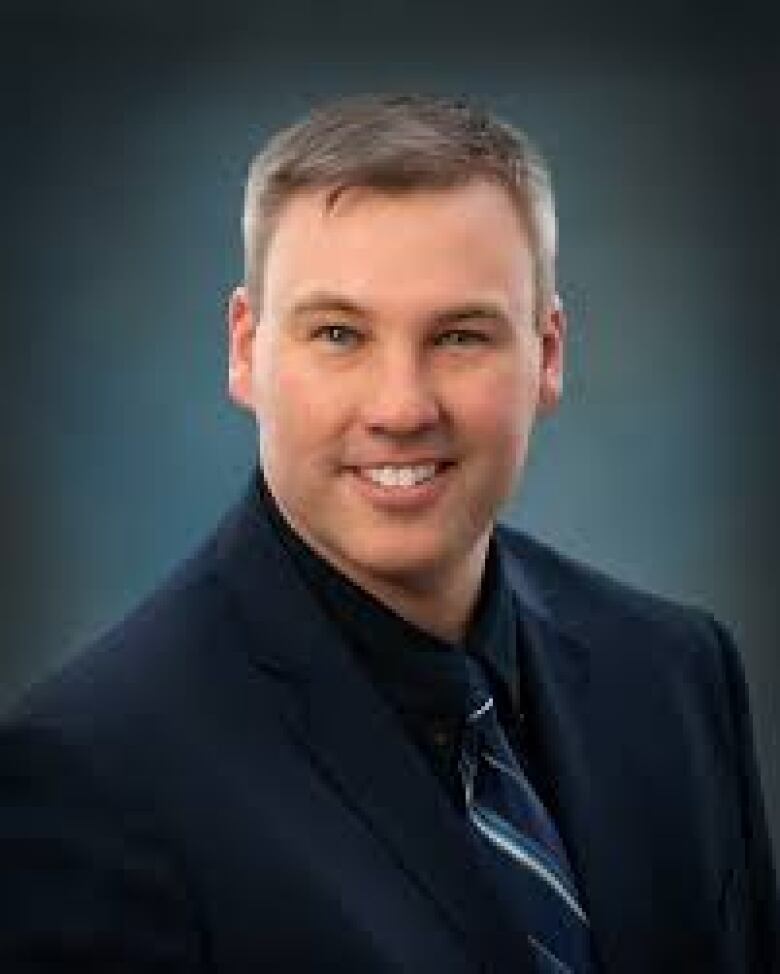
[505, 810]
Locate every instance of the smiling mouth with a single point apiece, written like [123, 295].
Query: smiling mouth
[401, 475]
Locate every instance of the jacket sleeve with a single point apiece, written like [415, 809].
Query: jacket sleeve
[83, 884]
[760, 883]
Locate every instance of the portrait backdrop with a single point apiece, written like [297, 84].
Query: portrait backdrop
[128, 129]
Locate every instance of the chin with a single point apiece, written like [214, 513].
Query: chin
[399, 562]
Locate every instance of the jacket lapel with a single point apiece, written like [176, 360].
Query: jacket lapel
[574, 689]
[557, 678]
[356, 743]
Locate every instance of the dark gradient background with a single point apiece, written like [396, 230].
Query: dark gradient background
[127, 130]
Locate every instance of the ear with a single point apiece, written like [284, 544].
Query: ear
[552, 334]
[241, 341]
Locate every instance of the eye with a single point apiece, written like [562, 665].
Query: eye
[337, 333]
[461, 337]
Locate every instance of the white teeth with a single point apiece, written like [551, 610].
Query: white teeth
[400, 476]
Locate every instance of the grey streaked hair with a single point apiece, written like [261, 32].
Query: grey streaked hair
[399, 143]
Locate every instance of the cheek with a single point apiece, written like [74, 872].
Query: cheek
[499, 409]
[301, 414]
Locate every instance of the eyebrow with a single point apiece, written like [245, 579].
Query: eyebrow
[323, 301]
[470, 312]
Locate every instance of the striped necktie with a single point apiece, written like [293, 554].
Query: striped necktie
[506, 811]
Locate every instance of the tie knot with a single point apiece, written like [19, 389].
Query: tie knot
[480, 724]
[479, 698]
[480, 710]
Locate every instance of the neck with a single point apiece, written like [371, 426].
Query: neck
[440, 601]
[442, 605]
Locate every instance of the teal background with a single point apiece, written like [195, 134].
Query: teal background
[127, 132]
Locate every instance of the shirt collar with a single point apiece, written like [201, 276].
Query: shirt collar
[420, 671]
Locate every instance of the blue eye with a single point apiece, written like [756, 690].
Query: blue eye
[457, 337]
[337, 334]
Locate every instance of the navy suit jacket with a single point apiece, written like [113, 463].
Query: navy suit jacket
[217, 786]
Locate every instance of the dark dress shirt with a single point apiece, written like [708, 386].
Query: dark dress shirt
[425, 679]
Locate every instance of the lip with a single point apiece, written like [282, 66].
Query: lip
[402, 499]
[420, 461]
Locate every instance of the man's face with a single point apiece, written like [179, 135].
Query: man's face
[395, 369]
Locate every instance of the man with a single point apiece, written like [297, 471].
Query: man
[364, 727]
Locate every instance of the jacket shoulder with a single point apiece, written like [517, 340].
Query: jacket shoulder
[141, 667]
[574, 588]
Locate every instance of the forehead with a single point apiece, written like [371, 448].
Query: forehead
[396, 246]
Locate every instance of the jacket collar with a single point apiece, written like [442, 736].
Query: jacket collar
[356, 743]
[583, 661]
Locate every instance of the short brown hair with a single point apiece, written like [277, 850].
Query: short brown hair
[397, 143]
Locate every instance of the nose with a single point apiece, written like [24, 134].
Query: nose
[401, 399]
